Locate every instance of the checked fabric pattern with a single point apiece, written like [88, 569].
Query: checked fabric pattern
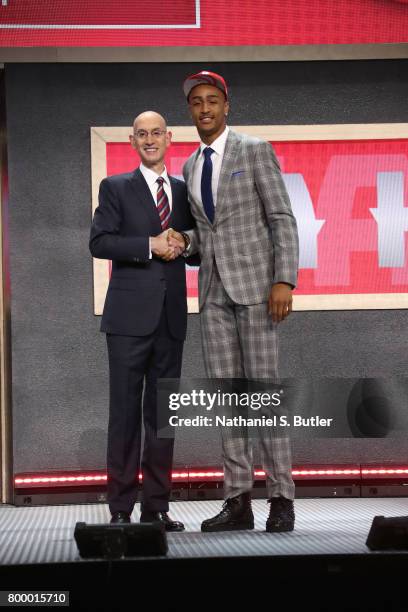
[241, 342]
[254, 236]
[251, 244]
[163, 206]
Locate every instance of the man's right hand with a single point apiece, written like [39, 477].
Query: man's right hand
[161, 247]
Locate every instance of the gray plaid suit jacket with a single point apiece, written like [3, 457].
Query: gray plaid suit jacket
[254, 238]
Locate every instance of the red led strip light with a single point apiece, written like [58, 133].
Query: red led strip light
[22, 481]
[384, 471]
[329, 472]
[18, 481]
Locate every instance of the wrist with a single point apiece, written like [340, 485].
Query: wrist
[187, 241]
[153, 243]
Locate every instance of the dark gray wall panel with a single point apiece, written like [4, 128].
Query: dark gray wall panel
[60, 384]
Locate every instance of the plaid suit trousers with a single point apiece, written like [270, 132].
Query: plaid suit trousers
[240, 341]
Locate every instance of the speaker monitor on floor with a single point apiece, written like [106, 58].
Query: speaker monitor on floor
[388, 533]
[114, 541]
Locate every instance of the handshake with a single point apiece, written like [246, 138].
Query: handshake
[168, 245]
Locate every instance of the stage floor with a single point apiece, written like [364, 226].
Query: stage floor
[323, 527]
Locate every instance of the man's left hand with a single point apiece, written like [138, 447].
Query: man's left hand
[280, 302]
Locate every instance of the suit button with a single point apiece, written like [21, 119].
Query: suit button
[135, 259]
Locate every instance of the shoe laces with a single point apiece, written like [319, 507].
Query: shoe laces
[228, 503]
[280, 501]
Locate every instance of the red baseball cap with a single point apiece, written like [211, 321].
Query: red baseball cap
[205, 78]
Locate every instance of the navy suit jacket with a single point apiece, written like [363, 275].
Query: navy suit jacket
[124, 220]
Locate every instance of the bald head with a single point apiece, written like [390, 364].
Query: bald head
[151, 139]
[149, 116]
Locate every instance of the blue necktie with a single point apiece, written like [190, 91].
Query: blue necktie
[206, 185]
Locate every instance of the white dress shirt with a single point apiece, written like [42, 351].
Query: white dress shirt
[218, 146]
[151, 177]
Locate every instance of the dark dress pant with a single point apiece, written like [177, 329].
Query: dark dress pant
[135, 364]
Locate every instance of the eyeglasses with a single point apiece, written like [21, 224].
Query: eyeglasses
[143, 134]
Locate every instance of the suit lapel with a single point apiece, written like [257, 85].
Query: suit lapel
[227, 167]
[190, 170]
[144, 196]
[175, 195]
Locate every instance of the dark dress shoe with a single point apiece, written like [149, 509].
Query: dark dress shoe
[120, 518]
[236, 514]
[281, 515]
[147, 516]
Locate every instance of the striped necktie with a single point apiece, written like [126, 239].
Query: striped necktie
[163, 206]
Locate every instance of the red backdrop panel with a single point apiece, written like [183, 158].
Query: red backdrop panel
[342, 180]
[201, 22]
[99, 12]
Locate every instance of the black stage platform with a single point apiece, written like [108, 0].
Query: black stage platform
[323, 565]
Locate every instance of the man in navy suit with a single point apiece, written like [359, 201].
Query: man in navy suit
[144, 318]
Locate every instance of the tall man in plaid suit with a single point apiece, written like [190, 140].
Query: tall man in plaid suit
[246, 235]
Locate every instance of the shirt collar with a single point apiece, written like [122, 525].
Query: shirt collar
[219, 143]
[151, 177]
